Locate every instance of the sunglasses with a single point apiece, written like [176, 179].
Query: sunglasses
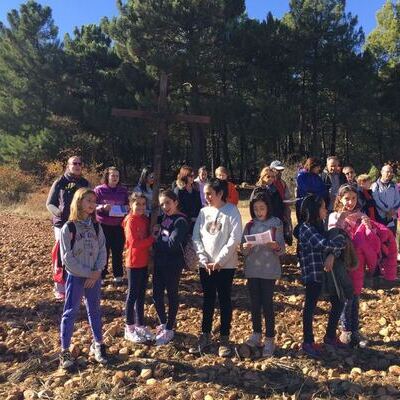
[76, 163]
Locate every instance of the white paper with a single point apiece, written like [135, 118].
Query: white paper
[289, 201]
[259, 238]
[118, 211]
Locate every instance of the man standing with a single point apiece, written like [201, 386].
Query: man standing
[60, 197]
[333, 180]
[284, 192]
[350, 175]
[387, 198]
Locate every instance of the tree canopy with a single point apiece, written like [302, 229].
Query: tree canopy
[308, 83]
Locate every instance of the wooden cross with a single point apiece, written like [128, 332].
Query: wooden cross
[163, 118]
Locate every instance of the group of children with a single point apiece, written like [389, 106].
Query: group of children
[83, 254]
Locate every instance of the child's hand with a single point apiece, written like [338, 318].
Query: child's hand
[92, 279]
[209, 268]
[273, 246]
[328, 264]
[155, 230]
[248, 245]
[366, 221]
[106, 207]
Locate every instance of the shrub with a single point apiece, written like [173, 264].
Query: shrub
[14, 184]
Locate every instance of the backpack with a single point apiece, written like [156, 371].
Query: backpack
[189, 253]
[59, 273]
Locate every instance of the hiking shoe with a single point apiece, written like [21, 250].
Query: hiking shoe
[145, 332]
[254, 340]
[66, 360]
[99, 352]
[312, 349]
[224, 349]
[336, 343]
[134, 336]
[164, 337]
[203, 342]
[358, 340]
[269, 347]
[345, 337]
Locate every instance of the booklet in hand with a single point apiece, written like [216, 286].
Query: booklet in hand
[261, 238]
[118, 211]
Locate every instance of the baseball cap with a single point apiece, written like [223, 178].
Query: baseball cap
[277, 165]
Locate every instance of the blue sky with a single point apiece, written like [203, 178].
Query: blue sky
[70, 13]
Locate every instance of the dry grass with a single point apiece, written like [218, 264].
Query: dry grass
[34, 206]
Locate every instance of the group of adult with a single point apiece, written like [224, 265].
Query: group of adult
[379, 200]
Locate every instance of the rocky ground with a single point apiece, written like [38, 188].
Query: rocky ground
[29, 344]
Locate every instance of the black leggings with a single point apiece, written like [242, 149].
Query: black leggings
[313, 291]
[217, 283]
[166, 277]
[262, 298]
[115, 240]
[137, 283]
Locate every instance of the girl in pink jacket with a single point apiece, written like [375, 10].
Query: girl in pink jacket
[358, 226]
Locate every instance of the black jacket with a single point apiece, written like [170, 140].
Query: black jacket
[61, 193]
[173, 236]
[326, 178]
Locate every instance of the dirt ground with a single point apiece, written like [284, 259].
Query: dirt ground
[29, 340]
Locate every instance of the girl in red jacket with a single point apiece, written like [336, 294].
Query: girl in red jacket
[137, 246]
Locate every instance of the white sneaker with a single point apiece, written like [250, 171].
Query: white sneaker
[254, 340]
[134, 336]
[164, 337]
[145, 332]
[345, 337]
[269, 347]
[99, 353]
[160, 328]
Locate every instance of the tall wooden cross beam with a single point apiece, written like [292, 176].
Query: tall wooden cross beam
[163, 118]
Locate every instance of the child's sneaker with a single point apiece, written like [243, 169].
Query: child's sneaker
[336, 343]
[312, 349]
[99, 352]
[66, 360]
[224, 349]
[134, 336]
[118, 281]
[254, 340]
[160, 328]
[202, 343]
[164, 337]
[269, 347]
[144, 332]
[345, 337]
[358, 340]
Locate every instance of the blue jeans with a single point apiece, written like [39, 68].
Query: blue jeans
[350, 315]
[74, 291]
